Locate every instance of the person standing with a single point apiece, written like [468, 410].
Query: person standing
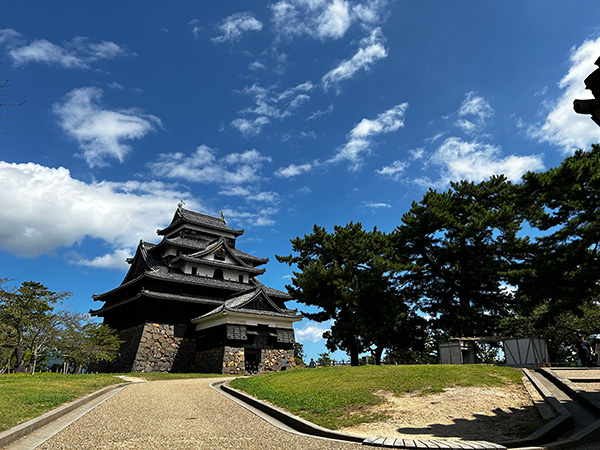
[584, 351]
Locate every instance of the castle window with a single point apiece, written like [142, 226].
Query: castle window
[241, 278]
[194, 271]
[218, 275]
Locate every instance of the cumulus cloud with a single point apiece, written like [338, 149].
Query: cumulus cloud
[115, 260]
[233, 27]
[204, 166]
[293, 170]
[100, 132]
[250, 127]
[323, 19]
[79, 53]
[474, 113]
[371, 50]
[43, 209]
[360, 138]
[562, 126]
[476, 161]
[312, 332]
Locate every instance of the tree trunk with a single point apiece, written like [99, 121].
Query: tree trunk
[353, 348]
[377, 355]
[19, 366]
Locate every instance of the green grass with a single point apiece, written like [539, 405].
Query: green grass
[24, 396]
[334, 397]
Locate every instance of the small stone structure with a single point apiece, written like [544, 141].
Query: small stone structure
[193, 303]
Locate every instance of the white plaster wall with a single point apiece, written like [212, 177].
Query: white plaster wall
[208, 271]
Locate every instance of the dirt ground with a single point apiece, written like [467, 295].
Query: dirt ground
[496, 414]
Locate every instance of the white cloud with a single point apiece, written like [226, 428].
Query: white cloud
[312, 332]
[475, 161]
[100, 132]
[43, 209]
[235, 25]
[265, 196]
[334, 20]
[250, 127]
[77, 54]
[10, 36]
[235, 191]
[196, 28]
[273, 104]
[474, 113]
[115, 260]
[203, 166]
[376, 205]
[394, 170]
[370, 51]
[563, 127]
[417, 153]
[251, 194]
[293, 170]
[324, 19]
[262, 217]
[360, 137]
[320, 113]
[269, 103]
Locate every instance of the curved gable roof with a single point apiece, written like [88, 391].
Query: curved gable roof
[183, 216]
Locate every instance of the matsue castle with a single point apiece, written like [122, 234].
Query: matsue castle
[193, 303]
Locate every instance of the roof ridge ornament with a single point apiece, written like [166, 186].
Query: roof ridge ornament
[223, 216]
[180, 205]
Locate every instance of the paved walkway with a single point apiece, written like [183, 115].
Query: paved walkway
[178, 414]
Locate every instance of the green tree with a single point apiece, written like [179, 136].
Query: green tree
[299, 354]
[83, 342]
[564, 270]
[455, 253]
[344, 274]
[27, 313]
[324, 359]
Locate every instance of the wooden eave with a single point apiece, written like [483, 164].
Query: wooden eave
[160, 296]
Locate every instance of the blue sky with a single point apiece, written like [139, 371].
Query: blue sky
[283, 114]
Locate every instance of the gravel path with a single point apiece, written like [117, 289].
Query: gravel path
[178, 414]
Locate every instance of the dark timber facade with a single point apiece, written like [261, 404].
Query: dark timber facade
[192, 303]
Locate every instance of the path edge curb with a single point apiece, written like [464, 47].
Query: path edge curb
[17, 432]
[297, 423]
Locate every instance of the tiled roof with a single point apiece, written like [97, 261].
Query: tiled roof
[192, 217]
[237, 302]
[162, 296]
[247, 257]
[271, 291]
[200, 244]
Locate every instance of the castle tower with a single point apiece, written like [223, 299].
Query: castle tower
[192, 303]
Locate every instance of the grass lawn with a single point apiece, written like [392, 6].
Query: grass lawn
[333, 396]
[24, 396]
